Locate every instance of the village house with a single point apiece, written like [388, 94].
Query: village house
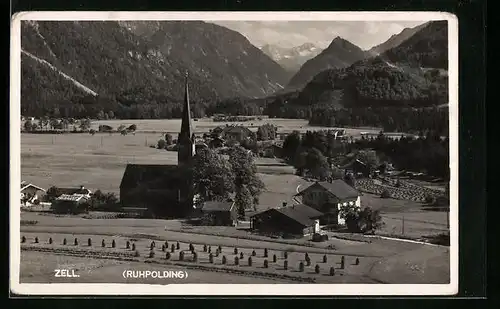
[297, 220]
[70, 203]
[220, 213]
[236, 133]
[358, 168]
[30, 193]
[328, 197]
[74, 191]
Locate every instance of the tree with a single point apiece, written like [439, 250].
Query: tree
[313, 162]
[28, 126]
[370, 158]
[266, 132]
[132, 128]
[291, 145]
[248, 185]
[121, 128]
[52, 193]
[85, 124]
[212, 175]
[349, 179]
[161, 144]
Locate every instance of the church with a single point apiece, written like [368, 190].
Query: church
[165, 190]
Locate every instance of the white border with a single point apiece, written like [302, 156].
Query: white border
[229, 289]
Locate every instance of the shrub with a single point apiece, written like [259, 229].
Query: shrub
[151, 254]
[181, 256]
[113, 244]
[209, 249]
[163, 248]
[325, 259]
[285, 255]
[211, 258]
[205, 248]
[133, 247]
[316, 269]
[249, 261]
[265, 252]
[236, 260]
[224, 260]
[266, 264]
[274, 258]
[103, 243]
[241, 255]
[136, 253]
[195, 257]
[172, 249]
[177, 246]
[285, 265]
[50, 241]
[254, 253]
[167, 256]
[301, 266]
[36, 240]
[356, 262]
[385, 194]
[332, 271]
[76, 241]
[235, 250]
[65, 241]
[89, 242]
[128, 244]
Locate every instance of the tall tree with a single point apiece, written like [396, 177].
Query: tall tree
[291, 145]
[213, 176]
[246, 178]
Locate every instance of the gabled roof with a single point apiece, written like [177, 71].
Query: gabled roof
[236, 129]
[302, 214]
[71, 191]
[153, 176]
[217, 206]
[337, 187]
[25, 185]
[70, 198]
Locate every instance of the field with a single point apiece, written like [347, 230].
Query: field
[98, 162]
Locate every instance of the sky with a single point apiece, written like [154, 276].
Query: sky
[364, 34]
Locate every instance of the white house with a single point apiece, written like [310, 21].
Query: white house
[329, 197]
[30, 193]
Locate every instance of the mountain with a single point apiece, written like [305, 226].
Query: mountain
[139, 63]
[339, 54]
[427, 48]
[395, 40]
[291, 59]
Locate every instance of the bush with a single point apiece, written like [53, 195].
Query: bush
[266, 264]
[325, 259]
[285, 265]
[301, 266]
[224, 260]
[274, 258]
[65, 241]
[236, 260]
[254, 253]
[76, 241]
[429, 199]
[113, 244]
[50, 241]
[316, 269]
[89, 242]
[241, 255]
[385, 194]
[167, 256]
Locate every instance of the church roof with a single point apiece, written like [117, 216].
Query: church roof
[153, 176]
[186, 126]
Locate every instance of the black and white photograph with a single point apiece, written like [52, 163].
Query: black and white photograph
[270, 153]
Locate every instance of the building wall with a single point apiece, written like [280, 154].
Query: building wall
[278, 223]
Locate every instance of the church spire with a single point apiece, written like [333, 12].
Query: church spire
[185, 141]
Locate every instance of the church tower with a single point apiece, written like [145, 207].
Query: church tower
[185, 140]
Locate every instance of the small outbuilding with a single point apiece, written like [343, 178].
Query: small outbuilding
[220, 213]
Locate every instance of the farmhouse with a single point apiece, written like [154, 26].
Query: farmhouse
[220, 213]
[236, 133]
[358, 168]
[167, 190]
[66, 203]
[74, 191]
[30, 193]
[297, 220]
[329, 197]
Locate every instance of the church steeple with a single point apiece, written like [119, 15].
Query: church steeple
[185, 140]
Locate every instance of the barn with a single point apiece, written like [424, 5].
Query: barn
[220, 213]
[297, 220]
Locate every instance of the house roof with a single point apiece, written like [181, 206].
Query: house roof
[236, 129]
[337, 187]
[302, 214]
[152, 176]
[25, 185]
[70, 198]
[217, 206]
